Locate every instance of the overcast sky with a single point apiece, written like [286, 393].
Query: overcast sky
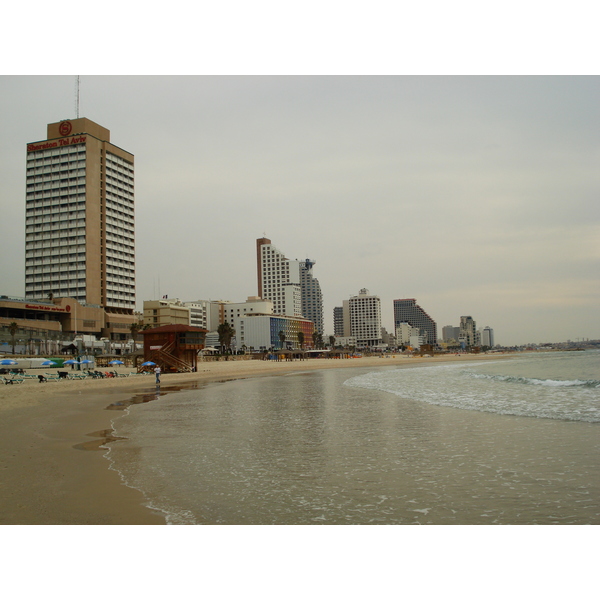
[475, 195]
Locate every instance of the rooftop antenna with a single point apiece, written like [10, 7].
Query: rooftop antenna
[77, 96]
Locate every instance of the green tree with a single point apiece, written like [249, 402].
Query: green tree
[332, 341]
[12, 329]
[319, 340]
[281, 339]
[315, 339]
[301, 340]
[226, 333]
[135, 328]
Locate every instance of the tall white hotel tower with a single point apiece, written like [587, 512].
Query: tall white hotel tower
[289, 284]
[79, 239]
[365, 318]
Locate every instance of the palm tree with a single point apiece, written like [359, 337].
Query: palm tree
[134, 328]
[301, 340]
[315, 338]
[319, 340]
[12, 329]
[332, 341]
[281, 338]
[226, 333]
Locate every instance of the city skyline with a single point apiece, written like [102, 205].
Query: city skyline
[474, 195]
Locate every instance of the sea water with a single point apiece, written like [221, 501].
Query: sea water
[493, 442]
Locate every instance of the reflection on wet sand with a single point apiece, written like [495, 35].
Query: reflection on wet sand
[106, 436]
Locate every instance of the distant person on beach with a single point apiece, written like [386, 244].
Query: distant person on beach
[157, 373]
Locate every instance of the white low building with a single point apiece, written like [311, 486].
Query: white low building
[404, 332]
[256, 332]
[416, 341]
[345, 342]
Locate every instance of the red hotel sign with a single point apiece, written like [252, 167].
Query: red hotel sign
[77, 139]
[49, 308]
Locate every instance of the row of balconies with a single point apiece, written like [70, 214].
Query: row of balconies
[113, 158]
[115, 174]
[112, 277]
[122, 188]
[123, 208]
[117, 269]
[35, 176]
[123, 249]
[72, 197]
[57, 181]
[45, 165]
[41, 235]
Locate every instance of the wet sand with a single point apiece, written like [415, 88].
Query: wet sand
[52, 437]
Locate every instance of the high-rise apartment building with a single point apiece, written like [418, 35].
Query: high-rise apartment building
[311, 296]
[408, 311]
[289, 284]
[469, 335]
[341, 320]
[450, 332]
[79, 239]
[365, 319]
[487, 336]
[278, 279]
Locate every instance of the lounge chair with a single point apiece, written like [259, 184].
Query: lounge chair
[52, 377]
[11, 380]
[77, 376]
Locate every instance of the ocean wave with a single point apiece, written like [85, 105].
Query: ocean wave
[571, 400]
[591, 383]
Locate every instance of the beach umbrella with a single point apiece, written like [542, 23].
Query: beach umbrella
[116, 362]
[48, 363]
[86, 362]
[8, 361]
[70, 362]
[148, 363]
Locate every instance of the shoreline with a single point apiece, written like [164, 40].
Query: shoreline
[53, 438]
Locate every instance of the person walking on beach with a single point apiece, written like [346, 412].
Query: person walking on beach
[157, 373]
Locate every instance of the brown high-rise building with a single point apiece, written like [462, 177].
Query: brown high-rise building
[79, 240]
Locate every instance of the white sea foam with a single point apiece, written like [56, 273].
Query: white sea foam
[502, 387]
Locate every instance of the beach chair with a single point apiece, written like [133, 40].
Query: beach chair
[10, 380]
[52, 377]
[77, 376]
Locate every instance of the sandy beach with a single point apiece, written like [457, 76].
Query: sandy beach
[52, 437]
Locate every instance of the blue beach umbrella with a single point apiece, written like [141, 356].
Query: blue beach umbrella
[116, 362]
[8, 361]
[148, 363]
[86, 362]
[48, 363]
[70, 362]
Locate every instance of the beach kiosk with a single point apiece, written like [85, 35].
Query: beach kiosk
[174, 348]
